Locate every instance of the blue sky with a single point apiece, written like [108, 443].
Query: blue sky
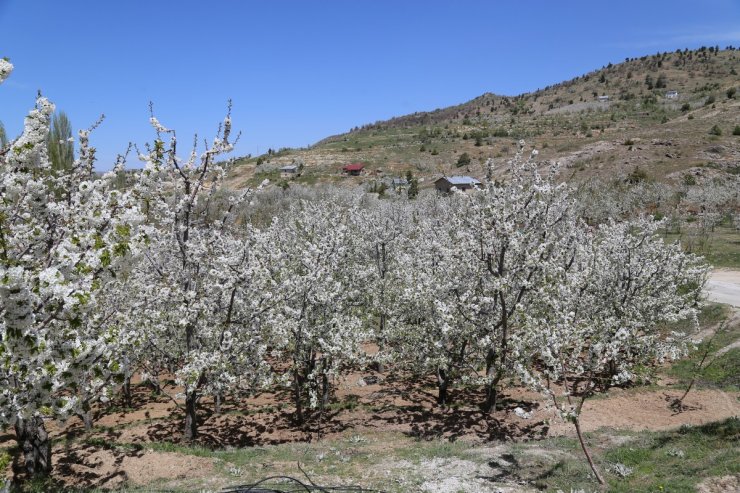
[298, 71]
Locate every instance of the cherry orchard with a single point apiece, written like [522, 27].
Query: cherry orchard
[166, 272]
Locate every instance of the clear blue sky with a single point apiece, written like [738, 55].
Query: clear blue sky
[299, 71]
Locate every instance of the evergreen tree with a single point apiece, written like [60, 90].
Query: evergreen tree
[3, 136]
[413, 188]
[61, 148]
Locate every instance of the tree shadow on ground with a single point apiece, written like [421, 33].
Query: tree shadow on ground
[429, 421]
[95, 463]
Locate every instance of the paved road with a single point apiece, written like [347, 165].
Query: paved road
[723, 286]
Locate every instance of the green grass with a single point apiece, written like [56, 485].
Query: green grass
[721, 372]
[721, 248]
[676, 461]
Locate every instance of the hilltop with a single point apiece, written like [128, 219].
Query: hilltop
[668, 114]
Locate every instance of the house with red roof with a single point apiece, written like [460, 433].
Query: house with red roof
[354, 169]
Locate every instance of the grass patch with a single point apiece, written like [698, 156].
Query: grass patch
[721, 248]
[721, 372]
[676, 461]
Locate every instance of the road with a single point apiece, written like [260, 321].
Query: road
[723, 286]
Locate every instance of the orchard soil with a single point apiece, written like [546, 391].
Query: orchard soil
[141, 447]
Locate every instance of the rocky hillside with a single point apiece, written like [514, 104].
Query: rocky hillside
[666, 114]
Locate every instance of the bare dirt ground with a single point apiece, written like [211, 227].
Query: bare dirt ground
[391, 406]
[125, 446]
[85, 466]
[637, 411]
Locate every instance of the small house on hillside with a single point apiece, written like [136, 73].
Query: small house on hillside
[354, 169]
[671, 95]
[603, 98]
[290, 171]
[462, 183]
[399, 184]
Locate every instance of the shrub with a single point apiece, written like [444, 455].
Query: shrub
[463, 160]
[731, 92]
[715, 130]
[685, 107]
[637, 175]
[736, 130]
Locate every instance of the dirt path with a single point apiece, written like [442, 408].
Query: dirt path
[637, 410]
[723, 286]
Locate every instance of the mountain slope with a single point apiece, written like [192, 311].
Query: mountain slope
[604, 123]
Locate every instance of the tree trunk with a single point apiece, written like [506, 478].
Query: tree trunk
[491, 397]
[380, 366]
[35, 444]
[585, 451]
[191, 421]
[325, 390]
[297, 397]
[491, 388]
[443, 383]
[217, 405]
[87, 419]
[126, 391]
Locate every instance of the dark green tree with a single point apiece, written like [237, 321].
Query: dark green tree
[413, 188]
[463, 160]
[649, 81]
[3, 136]
[61, 148]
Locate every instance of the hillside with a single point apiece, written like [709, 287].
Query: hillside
[603, 123]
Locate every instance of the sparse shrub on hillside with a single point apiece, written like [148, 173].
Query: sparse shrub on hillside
[685, 107]
[637, 175]
[731, 92]
[649, 81]
[715, 130]
[710, 100]
[736, 130]
[661, 83]
[463, 160]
